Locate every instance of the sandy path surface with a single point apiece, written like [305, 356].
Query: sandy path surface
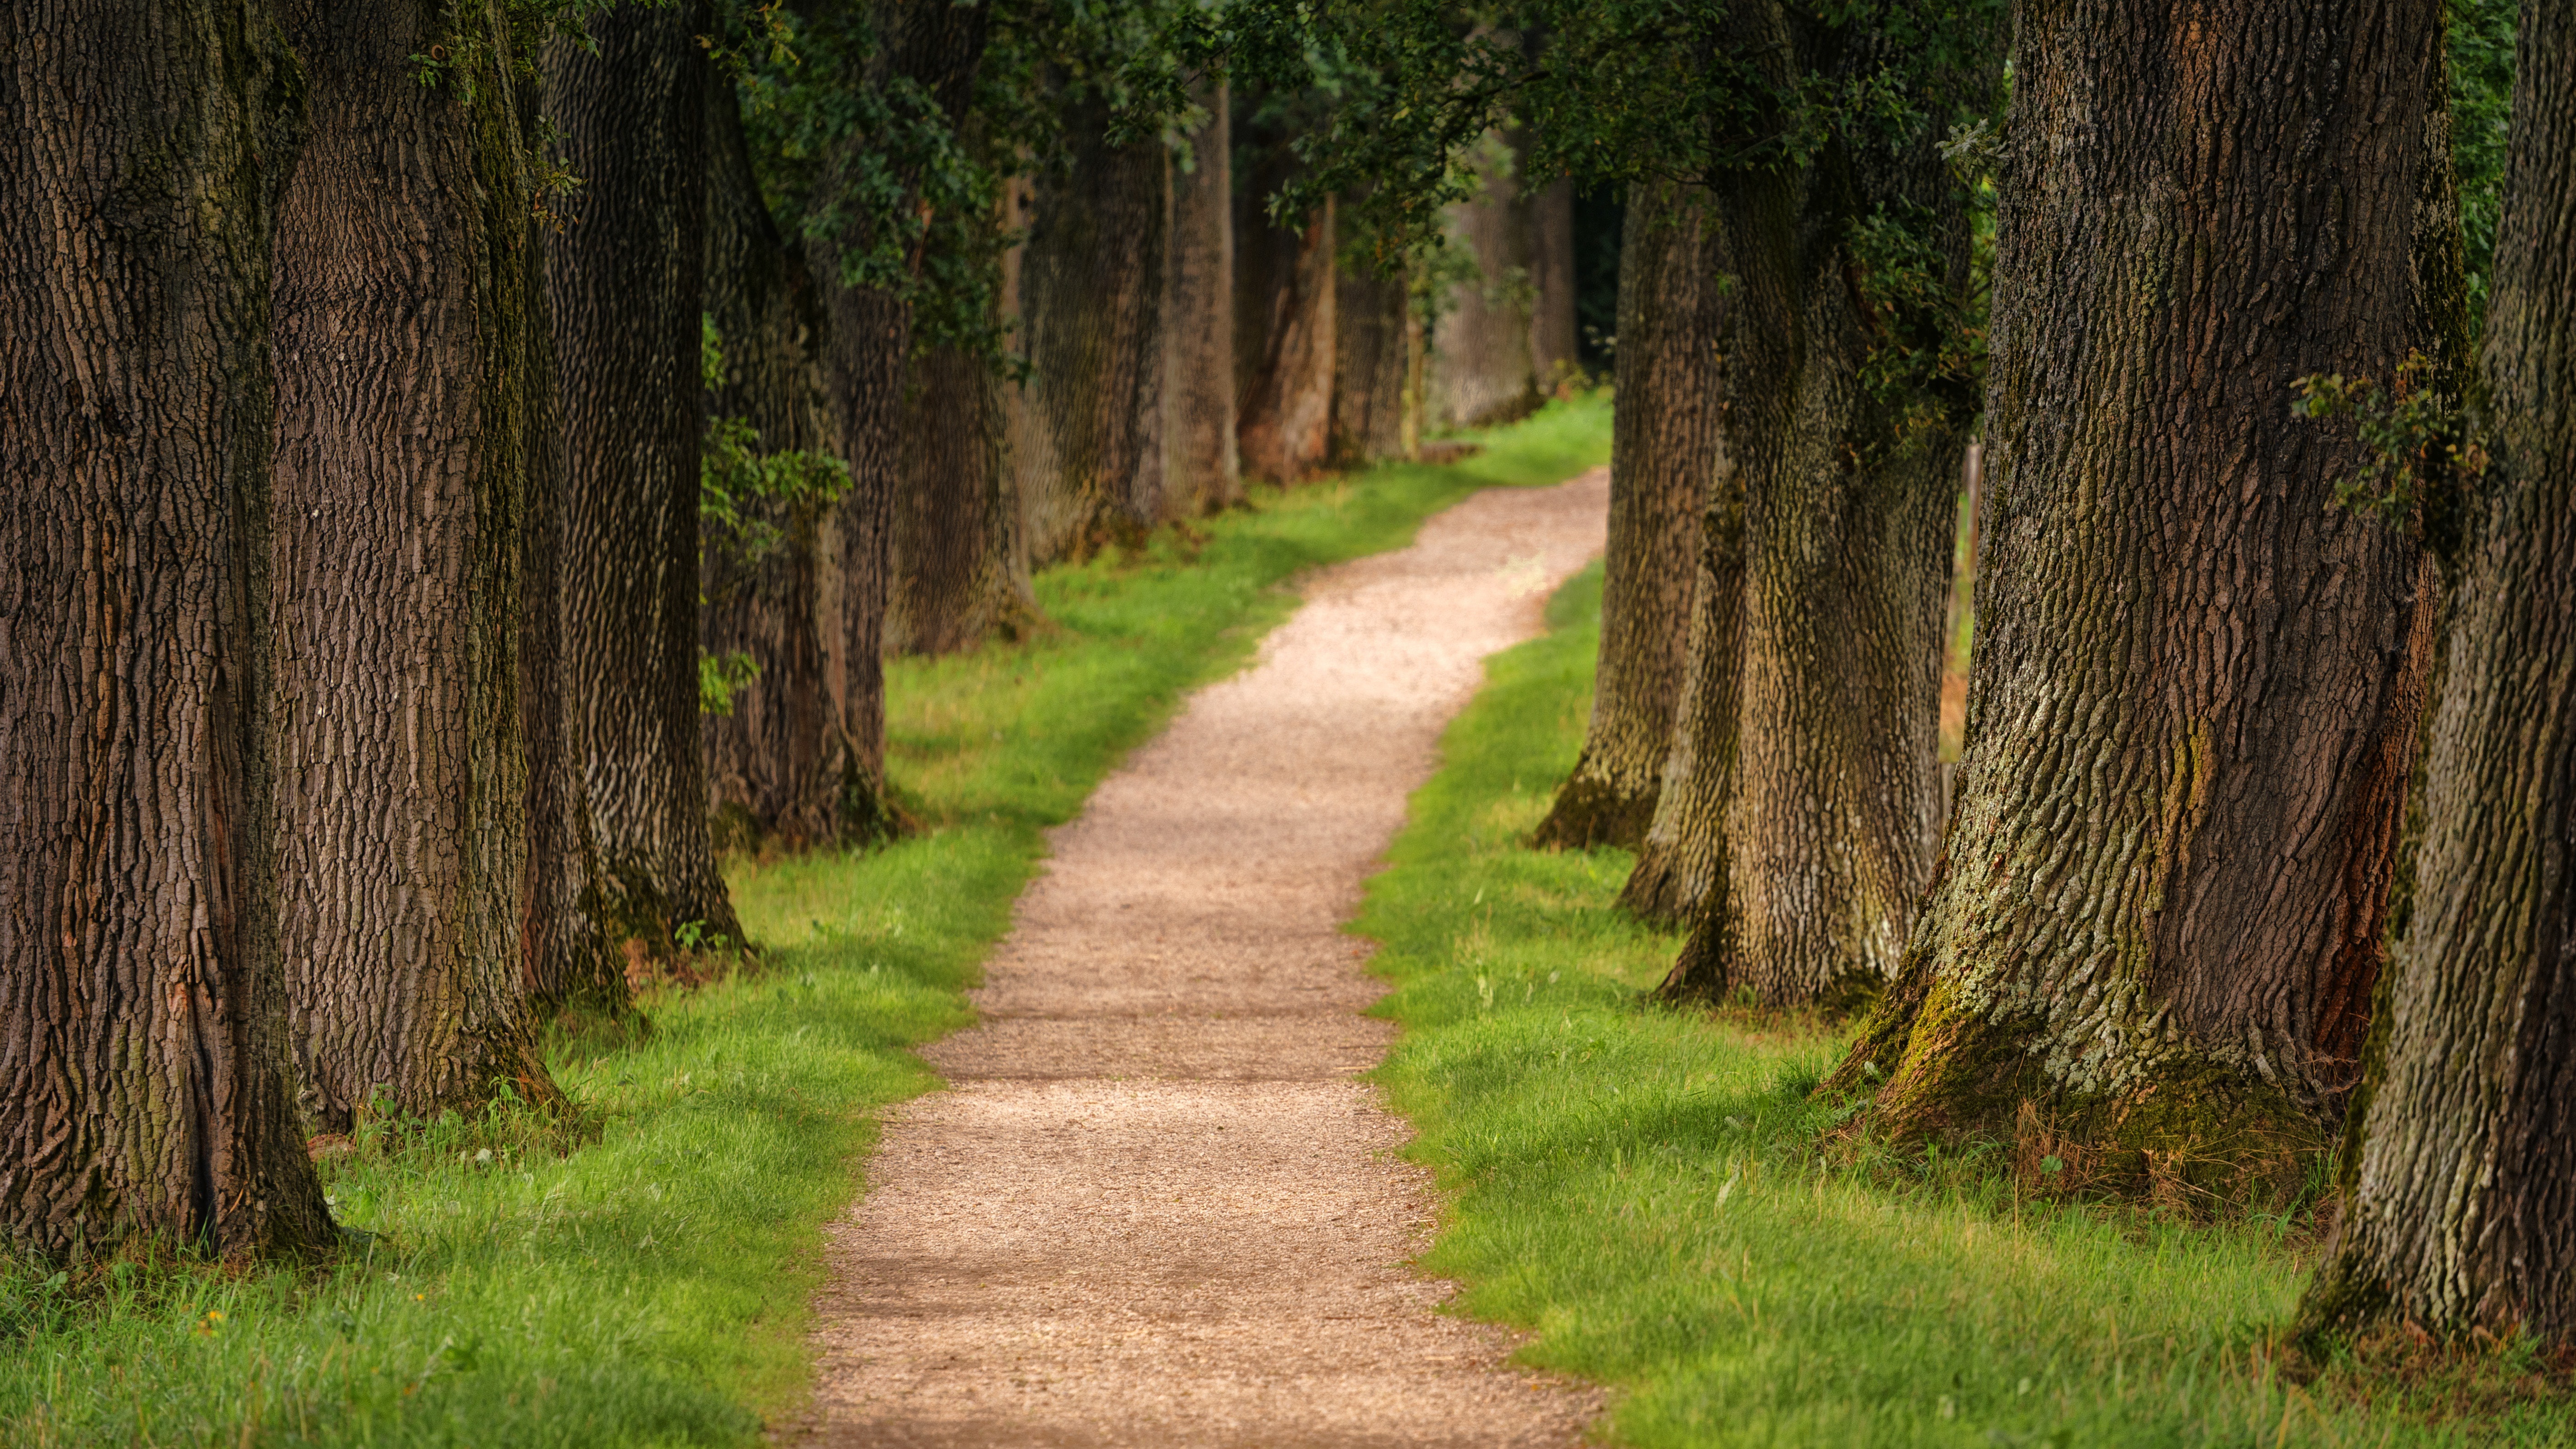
[1154, 1208]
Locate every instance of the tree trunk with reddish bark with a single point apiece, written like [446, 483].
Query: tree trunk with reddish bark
[2158, 920]
[2456, 1193]
[1664, 450]
[1285, 332]
[406, 422]
[144, 1031]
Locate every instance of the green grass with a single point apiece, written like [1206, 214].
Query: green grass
[651, 1287]
[1643, 1188]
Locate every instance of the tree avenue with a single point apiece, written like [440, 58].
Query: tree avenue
[2158, 918]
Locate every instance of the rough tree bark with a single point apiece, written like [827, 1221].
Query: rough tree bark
[1086, 436]
[1202, 471]
[1682, 872]
[402, 328]
[626, 289]
[1848, 524]
[1480, 370]
[2457, 1211]
[768, 772]
[936, 49]
[1663, 457]
[2159, 913]
[1368, 365]
[143, 1020]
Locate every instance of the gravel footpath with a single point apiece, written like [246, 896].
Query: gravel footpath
[1154, 1207]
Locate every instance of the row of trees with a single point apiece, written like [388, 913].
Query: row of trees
[416, 417]
[2261, 836]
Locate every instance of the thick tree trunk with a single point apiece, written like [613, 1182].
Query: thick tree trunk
[1553, 338]
[143, 1018]
[1368, 366]
[1663, 456]
[2159, 916]
[1480, 369]
[1086, 428]
[1286, 324]
[626, 284]
[962, 567]
[768, 763]
[934, 50]
[1202, 471]
[1682, 872]
[403, 325]
[2457, 1209]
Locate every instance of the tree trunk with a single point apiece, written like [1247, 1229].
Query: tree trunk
[1202, 471]
[1481, 370]
[1286, 321]
[962, 566]
[1368, 366]
[2457, 1211]
[626, 283]
[1672, 316]
[934, 52]
[2159, 915]
[1086, 438]
[143, 1017]
[768, 762]
[1682, 870]
[1550, 222]
[402, 327]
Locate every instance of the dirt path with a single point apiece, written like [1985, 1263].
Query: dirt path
[1154, 1208]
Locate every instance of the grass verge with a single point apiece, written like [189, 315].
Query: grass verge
[650, 1286]
[1641, 1188]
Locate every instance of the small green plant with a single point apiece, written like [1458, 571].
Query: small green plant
[2421, 442]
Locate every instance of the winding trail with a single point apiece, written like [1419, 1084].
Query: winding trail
[1154, 1208]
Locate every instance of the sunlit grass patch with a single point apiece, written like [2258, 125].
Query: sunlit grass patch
[643, 1277]
[1654, 1194]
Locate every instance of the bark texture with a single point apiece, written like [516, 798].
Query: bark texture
[1086, 435]
[2160, 911]
[1285, 297]
[1549, 217]
[1368, 365]
[143, 1020]
[2458, 1211]
[961, 564]
[933, 51]
[626, 284]
[405, 421]
[1682, 872]
[1663, 457]
[1202, 471]
[768, 763]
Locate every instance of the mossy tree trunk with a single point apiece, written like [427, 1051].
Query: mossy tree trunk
[2457, 1203]
[768, 762]
[931, 51]
[626, 287]
[406, 424]
[1672, 318]
[1086, 429]
[143, 1018]
[961, 562]
[1682, 872]
[2159, 914]
[1202, 469]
